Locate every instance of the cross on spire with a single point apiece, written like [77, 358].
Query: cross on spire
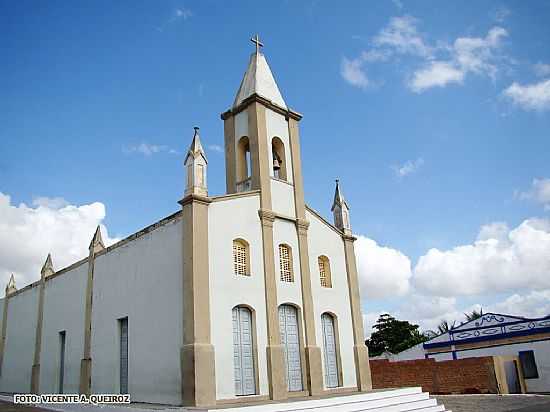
[257, 42]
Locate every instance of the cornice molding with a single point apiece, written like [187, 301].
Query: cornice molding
[288, 113]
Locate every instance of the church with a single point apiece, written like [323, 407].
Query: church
[244, 297]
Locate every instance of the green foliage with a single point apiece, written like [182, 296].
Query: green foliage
[393, 335]
[474, 315]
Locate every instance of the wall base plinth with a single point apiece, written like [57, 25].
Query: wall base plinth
[198, 375]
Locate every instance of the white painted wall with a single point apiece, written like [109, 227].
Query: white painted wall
[282, 198]
[277, 126]
[19, 347]
[325, 241]
[64, 307]
[2, 312]
[416, 352]
[542, 358]
[143, 281]
[288, 292]
[227, 220]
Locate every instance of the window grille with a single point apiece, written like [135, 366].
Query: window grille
[285, 263]
[240, 259]
[324, 272]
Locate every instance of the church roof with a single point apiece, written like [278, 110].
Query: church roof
[259, 80]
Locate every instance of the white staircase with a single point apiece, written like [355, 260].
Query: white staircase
[397, 400]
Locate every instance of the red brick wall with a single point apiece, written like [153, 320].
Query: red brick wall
[472, 375]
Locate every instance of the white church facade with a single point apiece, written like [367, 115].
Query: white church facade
[246, 296]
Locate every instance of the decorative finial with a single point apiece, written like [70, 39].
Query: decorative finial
[10, 287]
[96, 244]
[47, 269]
[257, 42]
[196, 128]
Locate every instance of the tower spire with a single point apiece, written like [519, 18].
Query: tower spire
[258, 79]
[195, 164]
[340, 210]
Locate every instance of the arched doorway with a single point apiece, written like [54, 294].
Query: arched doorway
[290, 339]
[243, 351]
[330, 351]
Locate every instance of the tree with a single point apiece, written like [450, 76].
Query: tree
[393, 335]
[444, 326]
[474, 314]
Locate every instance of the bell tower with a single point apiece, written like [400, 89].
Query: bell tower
[257, 128]
[262, 153]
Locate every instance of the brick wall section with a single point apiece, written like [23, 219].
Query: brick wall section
[471, 375]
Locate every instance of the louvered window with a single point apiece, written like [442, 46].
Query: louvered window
[324, 272]
[285, 263]
[240, 258]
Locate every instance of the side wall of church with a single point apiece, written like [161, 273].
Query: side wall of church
[19, 346]
[63, 311]
[323, 240]
[231, 219]
[140, 280]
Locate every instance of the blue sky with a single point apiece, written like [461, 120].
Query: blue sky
[439, 113]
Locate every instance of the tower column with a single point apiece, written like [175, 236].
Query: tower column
[360, 350]
[197, 353]
[47, 270]
[312, 351]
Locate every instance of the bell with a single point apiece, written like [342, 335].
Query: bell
[276, 164]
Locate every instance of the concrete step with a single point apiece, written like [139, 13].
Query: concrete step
[398, 400]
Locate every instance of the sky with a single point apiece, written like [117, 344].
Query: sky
[434, 115]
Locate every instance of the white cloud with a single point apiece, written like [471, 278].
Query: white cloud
[534, 96]
[518, 259]
[534, 304]
[539, 192]
[402, 36]
[352, 72]
[148, 149]
[500, 14]
[183, 13]
[541, 69]
[467, 55]
[28, 234]
[440, 64]
[408, 167]
[383, 271]
[436, 74]
[50, 202]
[216, 148]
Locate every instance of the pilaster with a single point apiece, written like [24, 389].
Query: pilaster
[312, 351]
[274, 349]
[35, 374]
[197, 353]
[85, 386]
[4, 331]
[361, 352]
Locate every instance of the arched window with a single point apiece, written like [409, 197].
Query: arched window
[279, 160]
[324, 272]
[241, 258]
[244, 165]
[285, 263]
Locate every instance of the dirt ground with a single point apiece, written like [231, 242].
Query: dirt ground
[495, 403]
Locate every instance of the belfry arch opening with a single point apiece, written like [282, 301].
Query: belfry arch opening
[279, 159]
[244, 166]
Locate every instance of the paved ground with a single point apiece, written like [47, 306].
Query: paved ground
[456, 403]
[495, 403]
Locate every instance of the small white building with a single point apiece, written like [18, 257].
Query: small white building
[246, 296]
[522, 343]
